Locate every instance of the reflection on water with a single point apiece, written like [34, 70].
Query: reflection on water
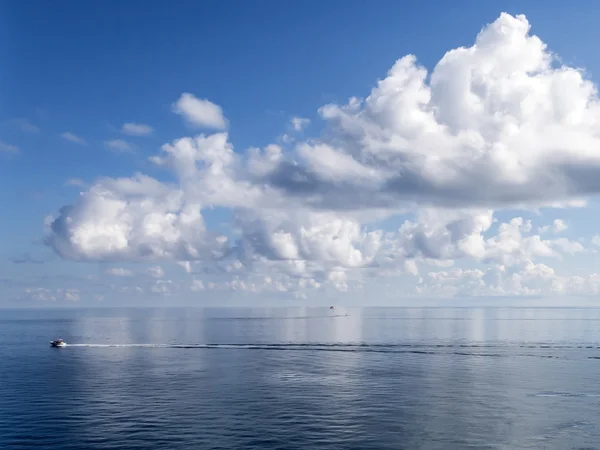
[300, 378]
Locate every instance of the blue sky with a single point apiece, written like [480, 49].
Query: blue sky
[89, 68]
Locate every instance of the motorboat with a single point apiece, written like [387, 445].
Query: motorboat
[58, 343]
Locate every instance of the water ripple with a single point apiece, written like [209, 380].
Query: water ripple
[277, 384]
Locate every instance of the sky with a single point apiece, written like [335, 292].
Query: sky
[299, 153]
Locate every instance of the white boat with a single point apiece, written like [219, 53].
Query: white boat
[58, 343]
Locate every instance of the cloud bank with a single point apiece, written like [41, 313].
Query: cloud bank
[499, 125]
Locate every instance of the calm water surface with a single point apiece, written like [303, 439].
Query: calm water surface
[300, 378]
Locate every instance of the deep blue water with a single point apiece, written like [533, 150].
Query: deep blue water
[300, 379]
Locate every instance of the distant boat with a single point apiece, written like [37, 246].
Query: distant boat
[58, 343]
[331, 307]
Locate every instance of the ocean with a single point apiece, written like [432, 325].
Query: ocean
[300, 378]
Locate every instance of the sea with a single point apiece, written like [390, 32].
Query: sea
[300, 378]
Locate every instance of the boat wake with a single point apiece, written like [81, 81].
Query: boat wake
[476, 350]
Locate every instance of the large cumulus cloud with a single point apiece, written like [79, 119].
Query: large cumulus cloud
[495, 125]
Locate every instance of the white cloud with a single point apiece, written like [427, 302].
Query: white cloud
[197, 286]
[339, 279]
[156, 272]
[186, 266]
[200, 112]
[8, 148]
[136, 129]
[133, 219]
[559, 226]
[162, 287]
[53, 295]
[119, 146]
[566, 246]
[68, 136]
[131, 290]
[495, 126]
[527, 279]
[299, 123]
[72, 295]
[42, 294]
[118, 272]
